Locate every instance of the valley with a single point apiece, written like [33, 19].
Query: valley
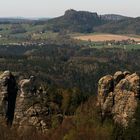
[73, 77]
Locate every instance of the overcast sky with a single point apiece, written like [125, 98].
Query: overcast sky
[53, 8]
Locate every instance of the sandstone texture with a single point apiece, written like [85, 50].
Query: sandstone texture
[118, 96]
[8, 93]
[24, 105]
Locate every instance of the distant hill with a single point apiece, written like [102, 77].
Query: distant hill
[87, 22]
[125, 26]
[114, 17]
[76, 21]
[81, 22]
[14, 20]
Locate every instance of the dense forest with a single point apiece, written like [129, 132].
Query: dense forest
[67, 63]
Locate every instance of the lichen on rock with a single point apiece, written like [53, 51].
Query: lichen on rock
[120, 98]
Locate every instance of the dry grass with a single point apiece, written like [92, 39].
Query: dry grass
[106, 37]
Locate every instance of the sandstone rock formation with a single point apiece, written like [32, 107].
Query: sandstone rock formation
[27, 86]
[26, 110]
[30, 111]
[118, 96]
[8, 93]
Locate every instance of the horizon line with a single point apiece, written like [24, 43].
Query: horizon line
[49, 17]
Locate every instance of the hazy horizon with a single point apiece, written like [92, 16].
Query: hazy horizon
[51, 8]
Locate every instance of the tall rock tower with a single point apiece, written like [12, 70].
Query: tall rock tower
[8, 93]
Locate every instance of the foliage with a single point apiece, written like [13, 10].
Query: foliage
[125, 26]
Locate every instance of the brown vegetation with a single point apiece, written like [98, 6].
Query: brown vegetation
[106, 37]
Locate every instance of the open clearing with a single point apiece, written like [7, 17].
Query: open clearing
[106, 37]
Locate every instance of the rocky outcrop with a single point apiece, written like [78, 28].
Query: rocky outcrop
[8, 93]
[118, 96]
[32, 110]
[24, 105]
[27, 107]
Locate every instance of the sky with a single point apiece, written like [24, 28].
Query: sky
[54, 8]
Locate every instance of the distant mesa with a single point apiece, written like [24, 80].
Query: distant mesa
[75, 21]
[88, 22]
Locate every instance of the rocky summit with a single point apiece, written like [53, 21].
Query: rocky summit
[118, 96]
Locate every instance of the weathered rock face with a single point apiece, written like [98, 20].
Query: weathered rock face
[31, 111]
[118, 96]
[105, 97]
[26, 110]
[8, 93]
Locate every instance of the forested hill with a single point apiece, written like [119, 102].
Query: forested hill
[86, 22]
[125, 26]
[80, 22]
[76, 21]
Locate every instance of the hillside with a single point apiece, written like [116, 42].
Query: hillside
[75, 21]
[72, 21]
[125, 26]
[86, 22]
